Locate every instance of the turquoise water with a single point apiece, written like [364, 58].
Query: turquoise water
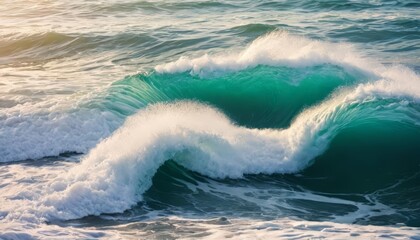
[130, 118]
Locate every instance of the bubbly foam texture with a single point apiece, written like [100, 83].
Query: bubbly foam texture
[274, 49]
[115, 174]
[224, 228]
[282, 49]
[37, 133]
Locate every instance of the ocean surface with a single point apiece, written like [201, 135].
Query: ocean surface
[210, 119]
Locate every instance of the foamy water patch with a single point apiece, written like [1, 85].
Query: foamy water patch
[37, 134]
[242, 228]
[275, 49]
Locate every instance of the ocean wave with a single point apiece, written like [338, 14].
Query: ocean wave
[243, 96]
[127, 161]
[113, 176]
[274, 49]
[284, 86]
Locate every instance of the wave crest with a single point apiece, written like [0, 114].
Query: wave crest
[274, 49]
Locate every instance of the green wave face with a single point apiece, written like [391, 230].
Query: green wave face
[260, 97]
[367, 157]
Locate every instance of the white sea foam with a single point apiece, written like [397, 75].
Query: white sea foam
[274, 49]
[36, 133]
[283, 49]
[219, 228]
[27, 179]
[242, 228]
